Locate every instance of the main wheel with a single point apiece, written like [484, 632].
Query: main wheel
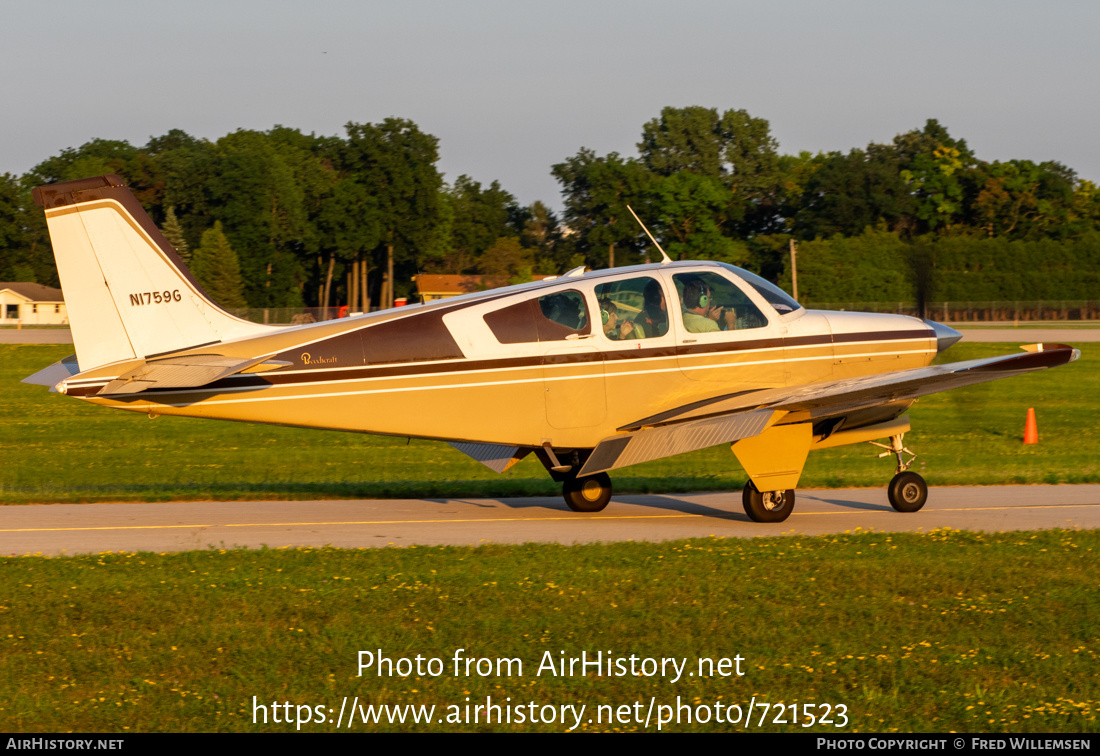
[770, 506]
[588, 494]
[907, 492]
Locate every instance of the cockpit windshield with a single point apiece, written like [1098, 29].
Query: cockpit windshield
[773, 295]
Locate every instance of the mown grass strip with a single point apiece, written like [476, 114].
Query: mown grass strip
[935, 632]
[58, 449]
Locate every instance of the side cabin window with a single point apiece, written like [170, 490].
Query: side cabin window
[632, 309]
[553, 317]
[710, 303]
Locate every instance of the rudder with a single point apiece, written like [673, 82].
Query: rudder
[127, 292]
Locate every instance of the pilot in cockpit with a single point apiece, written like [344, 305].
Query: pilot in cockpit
[700, 314]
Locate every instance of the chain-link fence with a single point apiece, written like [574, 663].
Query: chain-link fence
[963, 312]
[947, 312]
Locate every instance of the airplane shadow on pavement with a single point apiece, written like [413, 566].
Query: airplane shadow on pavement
[670, 503]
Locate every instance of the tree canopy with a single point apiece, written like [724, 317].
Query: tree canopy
[314, 219]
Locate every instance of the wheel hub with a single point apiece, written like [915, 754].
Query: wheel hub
[773, 500]
[591, 490]
[910, 492]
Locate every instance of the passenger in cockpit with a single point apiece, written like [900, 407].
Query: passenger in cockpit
[612, 328]
[654, 317]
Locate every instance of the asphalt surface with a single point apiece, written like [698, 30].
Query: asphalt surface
[57, 529]
[1018, 335]
[36, 336]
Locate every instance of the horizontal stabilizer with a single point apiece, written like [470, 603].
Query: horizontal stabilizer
[53, 374]
[191, 371]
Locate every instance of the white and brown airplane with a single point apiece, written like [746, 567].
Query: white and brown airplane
[591, 371]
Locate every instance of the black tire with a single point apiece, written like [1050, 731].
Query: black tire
[770, 506]
[907, 492]
[588, 494]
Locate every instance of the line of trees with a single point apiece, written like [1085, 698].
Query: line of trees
[285, 219]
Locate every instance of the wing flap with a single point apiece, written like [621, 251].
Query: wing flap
[666, 440]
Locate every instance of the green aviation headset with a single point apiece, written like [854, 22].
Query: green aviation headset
[704, 297]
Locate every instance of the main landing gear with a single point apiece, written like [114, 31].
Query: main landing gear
[769, 506]
[590, 493]
[907, 491]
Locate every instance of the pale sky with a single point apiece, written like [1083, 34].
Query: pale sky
[512, 87]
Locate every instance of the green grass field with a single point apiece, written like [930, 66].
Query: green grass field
[58, 449]
[937, 632]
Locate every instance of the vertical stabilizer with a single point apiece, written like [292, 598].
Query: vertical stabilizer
[127, 292]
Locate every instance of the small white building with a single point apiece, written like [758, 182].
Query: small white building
[24, 303]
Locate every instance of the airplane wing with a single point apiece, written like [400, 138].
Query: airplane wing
[733, 417]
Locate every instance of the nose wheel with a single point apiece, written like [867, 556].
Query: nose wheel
[907, 492]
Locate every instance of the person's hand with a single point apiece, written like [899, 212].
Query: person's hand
[715, 312]
[625, 328]
[730, 316]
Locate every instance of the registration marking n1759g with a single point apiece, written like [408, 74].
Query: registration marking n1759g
[154, 297]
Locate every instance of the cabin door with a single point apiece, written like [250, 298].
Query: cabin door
[573, 379]
[723, 337]
[572, 365]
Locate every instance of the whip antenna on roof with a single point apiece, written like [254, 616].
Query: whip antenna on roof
[664, 257]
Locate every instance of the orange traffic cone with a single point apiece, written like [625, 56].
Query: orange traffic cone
[1031, 431]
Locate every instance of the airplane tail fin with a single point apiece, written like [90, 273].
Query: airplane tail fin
[127, 292]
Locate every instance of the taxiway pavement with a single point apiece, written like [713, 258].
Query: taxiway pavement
[36, 336]
[57, 529]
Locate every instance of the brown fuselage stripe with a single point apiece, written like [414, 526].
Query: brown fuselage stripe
[413, 369]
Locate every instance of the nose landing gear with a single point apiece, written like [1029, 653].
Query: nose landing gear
[907, 491]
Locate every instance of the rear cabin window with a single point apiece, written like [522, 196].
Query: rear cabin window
[553, 317]
[632, 309]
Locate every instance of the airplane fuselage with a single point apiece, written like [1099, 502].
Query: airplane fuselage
[475, 367]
